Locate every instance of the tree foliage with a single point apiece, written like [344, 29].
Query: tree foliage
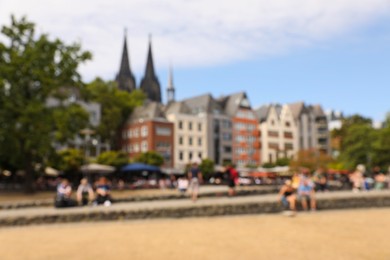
[151, 158]
[117, 106]
[32, 69]
[207, 167]
[113, 158]
[310, 159]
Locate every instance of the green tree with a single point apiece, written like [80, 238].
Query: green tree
[207, 167]
[356, 145]
[117, 106]
[381, 147]
[32, 69]
[151, 158]
[113, 158]
[310, 159]
[69, 160]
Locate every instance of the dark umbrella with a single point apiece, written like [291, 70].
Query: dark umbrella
[139, 167]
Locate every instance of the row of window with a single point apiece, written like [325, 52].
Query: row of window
[190, 141]
[135, 132]
[241, 150]
[242, 126]
[137, 147]
[275, 146]
[224, 123]
[187, 157]
[249, 139]
[190, 125]
[248, 114]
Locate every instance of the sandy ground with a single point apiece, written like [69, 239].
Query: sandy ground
[349, 234]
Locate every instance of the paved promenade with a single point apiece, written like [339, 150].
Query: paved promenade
[179, 208]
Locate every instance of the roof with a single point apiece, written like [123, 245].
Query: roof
[232, 103]
[178, 107]
[318, 111]
[262, 113]
[296, 109]
[203, 104]
[149, 111]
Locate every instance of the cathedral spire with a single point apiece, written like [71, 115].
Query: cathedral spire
[170, 87]
[125, 77]
[150, 84]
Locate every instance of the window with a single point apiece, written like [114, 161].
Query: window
[288, 146]
[190, 140]
[227, 149]
[163, 131]
[227, 136]
[273, 146]
[288, 135]
[181, 156]
[199, 127]
[180, 124]
[200, 155]
[288, 124]
[144, 131]
[136, 148]
[190, 125]
[180, 139]
[200, 141]
[144, 146]
[190, 156]
[136, 132]
[273, 134]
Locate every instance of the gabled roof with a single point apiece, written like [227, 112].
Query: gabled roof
[177, 108]
[149, 111]
[296, 109]
[203, 104]
[262, 113]
[232, 103]
[318, 111]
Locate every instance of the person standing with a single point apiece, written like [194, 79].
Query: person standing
[232, 179]
[195, 177]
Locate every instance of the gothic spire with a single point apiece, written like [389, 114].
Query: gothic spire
[170, 87]
[150, 84]
[125, 77]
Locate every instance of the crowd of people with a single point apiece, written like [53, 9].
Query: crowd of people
[100, 194]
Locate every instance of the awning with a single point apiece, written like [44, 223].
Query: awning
[140, 167]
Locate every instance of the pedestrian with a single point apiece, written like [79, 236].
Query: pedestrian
[84, 193]
[182, 184]
[195, 177]
[232, 179]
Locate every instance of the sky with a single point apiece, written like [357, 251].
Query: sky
[330, 52]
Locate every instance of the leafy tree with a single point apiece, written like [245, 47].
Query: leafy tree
[282, 161]
[310, 159]
[207, 167]
[32, 69]
[117, 106]
[113, 158]
[381, 147]
[356, 145]
[69, 160]
[151, 158]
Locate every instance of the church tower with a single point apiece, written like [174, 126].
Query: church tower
[170, 87]
[149, 84]
[125, 77]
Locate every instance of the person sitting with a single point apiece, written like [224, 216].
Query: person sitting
[287, 197]
[182, 184]
[306, 192]
[63, 198]
[103, 191]
[85, 192]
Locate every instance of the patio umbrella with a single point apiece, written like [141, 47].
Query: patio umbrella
[139, 167]
[49, 171]
[97, 168]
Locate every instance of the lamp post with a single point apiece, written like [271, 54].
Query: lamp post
[87, 137]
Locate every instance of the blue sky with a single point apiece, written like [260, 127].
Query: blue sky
[335, 53]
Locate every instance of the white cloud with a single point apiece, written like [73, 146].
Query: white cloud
[192, 32]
